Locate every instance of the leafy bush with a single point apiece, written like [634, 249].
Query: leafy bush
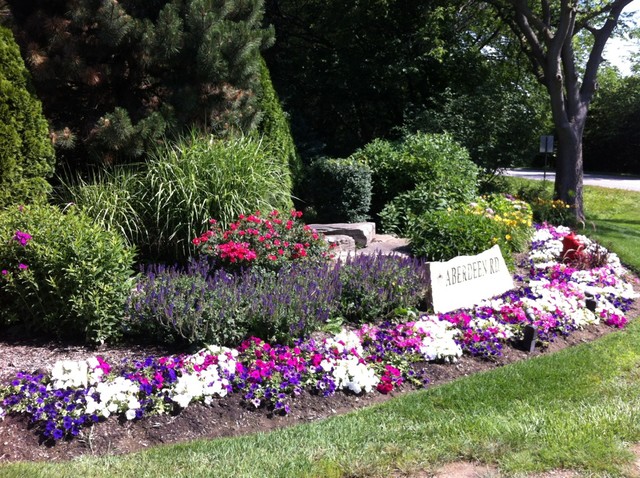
[469, 230]
[340, 190]
[514, 217]
[69, 278]
[432, 163]
[268, 244]
[396, 215]
[493, 219]
[197, 307]
[374, 286]
[26, 154]
[443, 235]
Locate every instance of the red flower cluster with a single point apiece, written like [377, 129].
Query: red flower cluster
[269, 242]
[572, 248]
[392, 377]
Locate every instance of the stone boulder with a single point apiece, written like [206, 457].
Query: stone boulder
[341, 243]
[361, 232]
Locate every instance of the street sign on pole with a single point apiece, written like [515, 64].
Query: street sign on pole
[546, 147]
[546, 144]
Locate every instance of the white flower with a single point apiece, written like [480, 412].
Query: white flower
[344, 342]
[69, 373]
[351, 374]
[439, 339]
[203, 383]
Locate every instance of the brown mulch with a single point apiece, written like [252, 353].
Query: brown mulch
[226, 417]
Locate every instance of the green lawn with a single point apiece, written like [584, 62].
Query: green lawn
[577, 409]
[613, 218]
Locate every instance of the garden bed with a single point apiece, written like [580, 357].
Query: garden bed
[226, 417]
[234, 414]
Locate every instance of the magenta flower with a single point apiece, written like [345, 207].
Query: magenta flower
[22, 237]
[23, 267]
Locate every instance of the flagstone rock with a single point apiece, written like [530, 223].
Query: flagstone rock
[341, 243]
[361, 232]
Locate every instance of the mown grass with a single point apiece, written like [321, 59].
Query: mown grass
[577, 409]
[613, 218]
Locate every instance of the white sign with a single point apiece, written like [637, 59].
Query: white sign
[464, 281]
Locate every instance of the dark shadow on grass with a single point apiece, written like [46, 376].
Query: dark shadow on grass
[614, 221]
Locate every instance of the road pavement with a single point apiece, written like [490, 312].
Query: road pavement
[630, 183]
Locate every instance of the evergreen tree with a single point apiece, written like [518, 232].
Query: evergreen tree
[274, 127]
[26, 155]
[114, 76]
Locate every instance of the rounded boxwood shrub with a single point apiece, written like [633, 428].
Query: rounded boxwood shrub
[434, 165]
[340, 190]
[62, 275]
[26, 154]
[443, 235]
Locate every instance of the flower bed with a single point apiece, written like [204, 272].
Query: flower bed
[554, 298]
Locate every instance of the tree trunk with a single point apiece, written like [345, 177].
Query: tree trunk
[569, 175]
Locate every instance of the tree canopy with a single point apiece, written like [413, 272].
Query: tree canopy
[548, 33]
[115, 75]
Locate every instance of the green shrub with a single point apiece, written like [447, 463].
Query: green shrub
[339, 190]
[426, 197]
[471, 229]
[69, 279]
[514, 217]
[26, 154]
[275, 129]
[443, 235]
[432, 163]
[112, 198]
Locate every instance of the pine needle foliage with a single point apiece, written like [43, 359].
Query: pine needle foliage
[116, 76]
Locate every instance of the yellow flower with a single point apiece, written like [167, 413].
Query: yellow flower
[508, 237]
